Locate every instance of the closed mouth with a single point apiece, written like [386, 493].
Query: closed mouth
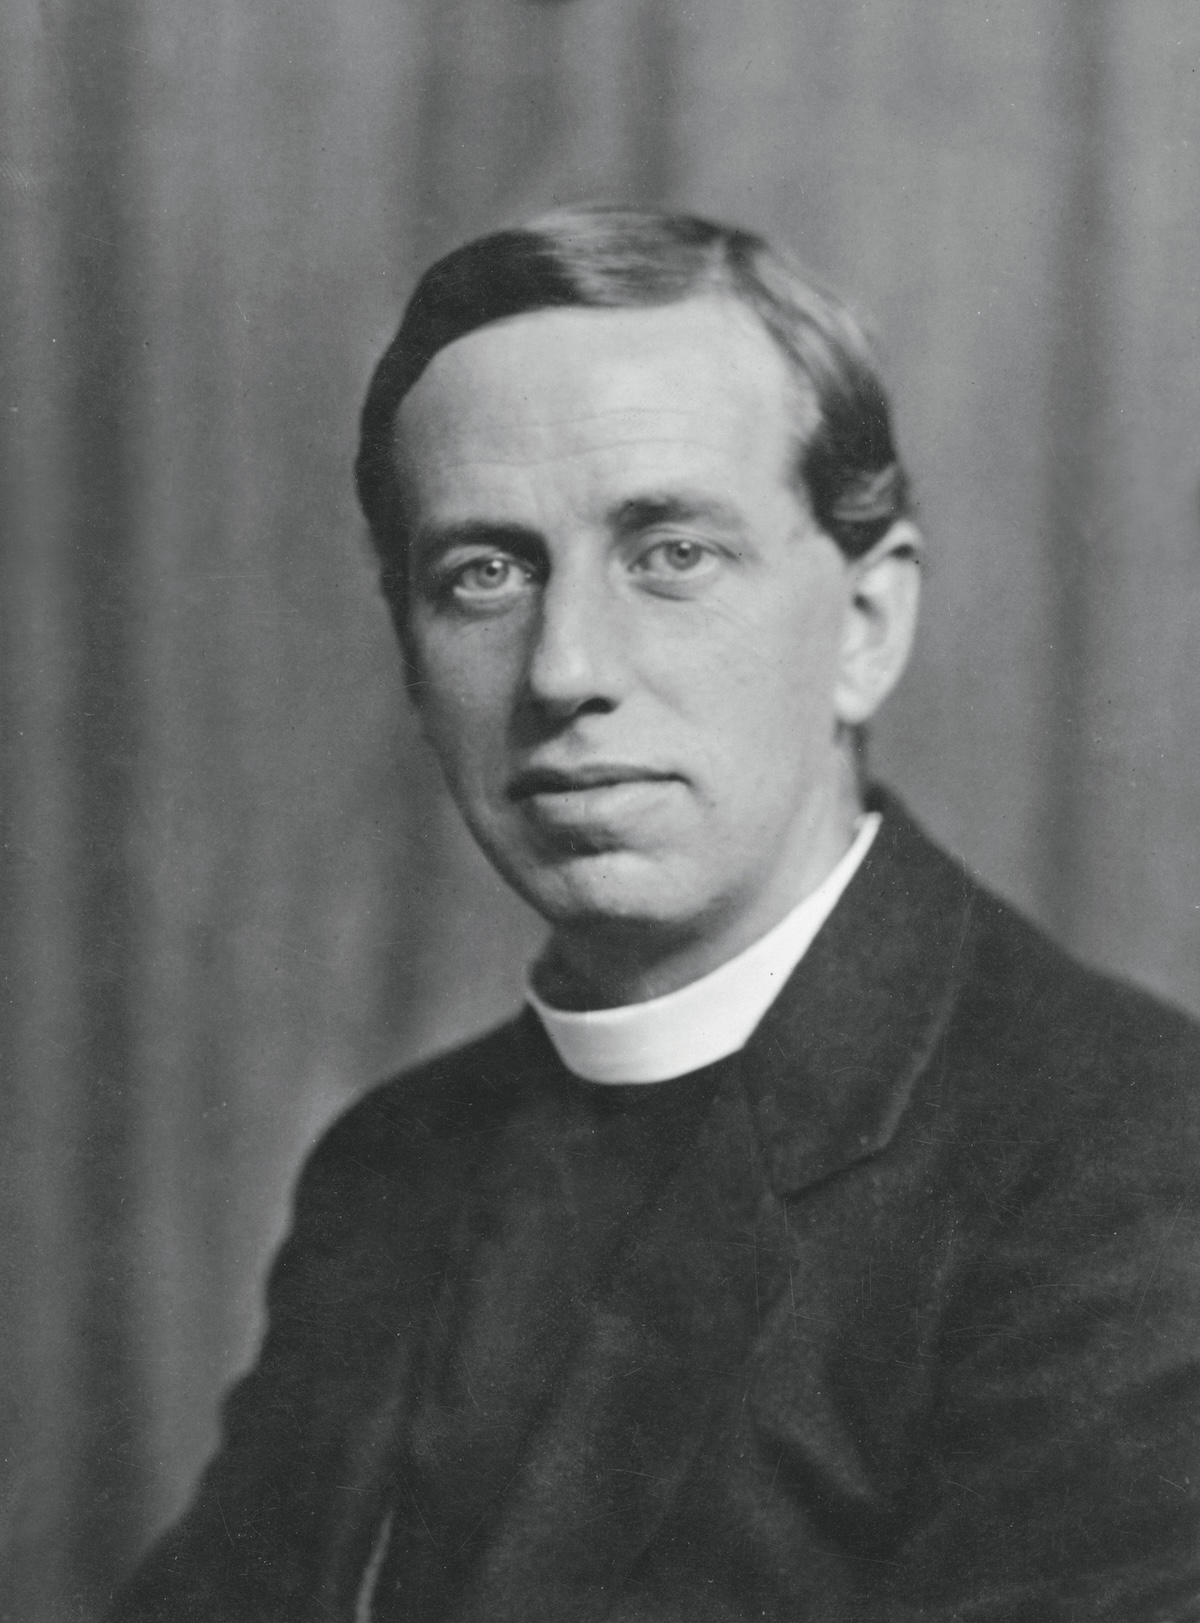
[544, 780]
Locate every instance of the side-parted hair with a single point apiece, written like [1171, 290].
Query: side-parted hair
[603, 257]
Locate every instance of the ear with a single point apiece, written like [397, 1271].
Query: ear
[881, 620]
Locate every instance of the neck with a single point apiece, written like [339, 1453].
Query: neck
[617, 963]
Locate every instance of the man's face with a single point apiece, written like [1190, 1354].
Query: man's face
[625, 626]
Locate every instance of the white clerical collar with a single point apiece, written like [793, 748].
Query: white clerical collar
[709, 1018]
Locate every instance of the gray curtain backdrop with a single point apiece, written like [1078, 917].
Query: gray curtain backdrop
[233, 892]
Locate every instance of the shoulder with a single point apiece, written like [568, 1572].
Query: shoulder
[377, 1209]
[349, 1294]
[1066, 1104]
[1042, 1061]
[424, 1130]
[1029, 1026]
[1085, 1040]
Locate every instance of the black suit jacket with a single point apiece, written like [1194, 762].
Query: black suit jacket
[895, 1315]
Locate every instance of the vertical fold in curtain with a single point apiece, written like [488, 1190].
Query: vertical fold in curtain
[99, 333]
[1079, 376]
[75, 1393]
[1136, 905]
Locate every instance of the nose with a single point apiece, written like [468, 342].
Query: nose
[576, 657]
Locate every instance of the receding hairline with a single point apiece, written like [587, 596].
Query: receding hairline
[797, 398]
[612, 257]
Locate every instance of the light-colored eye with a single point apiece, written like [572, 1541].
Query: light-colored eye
[677, 558]
[494, 577]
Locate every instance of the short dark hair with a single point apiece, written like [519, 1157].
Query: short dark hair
[604, 257]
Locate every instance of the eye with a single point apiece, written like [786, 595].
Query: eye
[491, 579]
[676, 559]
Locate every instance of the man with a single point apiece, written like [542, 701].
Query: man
[820, 1242]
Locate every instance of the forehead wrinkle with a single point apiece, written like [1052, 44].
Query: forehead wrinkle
[556, 423]
[618, 411]
[552, 443]
[733, 404]
[570, 455]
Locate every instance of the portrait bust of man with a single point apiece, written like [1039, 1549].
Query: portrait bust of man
[819, 1241]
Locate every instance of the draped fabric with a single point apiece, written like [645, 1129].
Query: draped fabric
[233, 891]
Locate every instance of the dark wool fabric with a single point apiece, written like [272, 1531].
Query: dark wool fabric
[895, 1315]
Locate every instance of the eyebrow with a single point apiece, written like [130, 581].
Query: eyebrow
[675, 507]
[473, 532]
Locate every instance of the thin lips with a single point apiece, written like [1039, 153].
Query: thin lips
[545, 780]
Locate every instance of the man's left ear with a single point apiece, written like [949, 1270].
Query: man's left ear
[881, 621]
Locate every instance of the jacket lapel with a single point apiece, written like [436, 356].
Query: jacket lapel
[831, 1067]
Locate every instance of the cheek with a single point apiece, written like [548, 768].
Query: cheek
[461, 701]
[765, 683]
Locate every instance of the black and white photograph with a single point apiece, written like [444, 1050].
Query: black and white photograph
[600, 898]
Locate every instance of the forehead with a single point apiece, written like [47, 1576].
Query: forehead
[586, 397]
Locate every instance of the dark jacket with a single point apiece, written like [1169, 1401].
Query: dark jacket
[895, 1315]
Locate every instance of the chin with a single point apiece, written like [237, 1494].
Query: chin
[610, 888]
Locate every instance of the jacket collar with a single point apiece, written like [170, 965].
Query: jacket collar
[829, 1071]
